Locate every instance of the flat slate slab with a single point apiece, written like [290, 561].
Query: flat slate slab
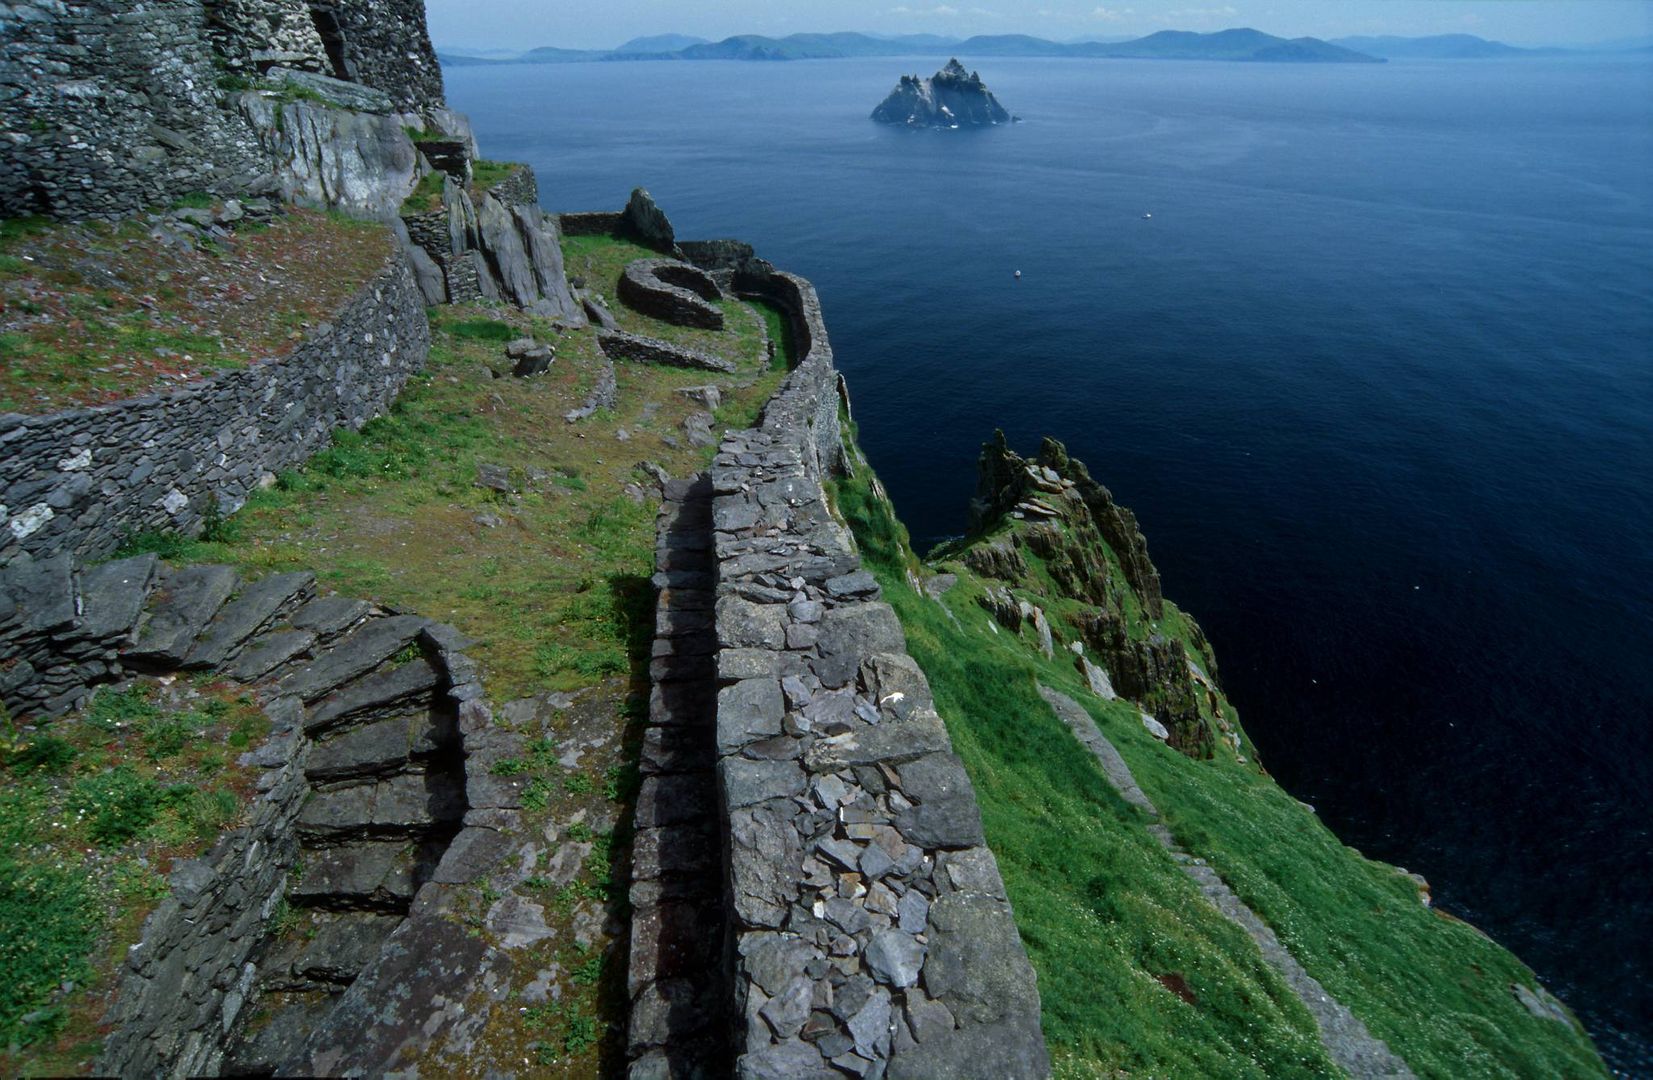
[112, 596]
[376, 749]
[377, 690]
[38, 593]
[269, 652]
[362, 650]
[328, 615]
[360, 876]
[180, 609]
[242, 617]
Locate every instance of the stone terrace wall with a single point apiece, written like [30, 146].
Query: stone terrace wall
[593, 223]
[871, 934]
[81, 479]
[345, 708]
[520, 188]
[107, 106]
[190, 975]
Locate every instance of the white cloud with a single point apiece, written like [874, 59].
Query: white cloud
[939, 9]
[1203, 13]
[1111, 14]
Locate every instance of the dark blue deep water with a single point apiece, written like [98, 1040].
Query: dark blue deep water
[1377, 377]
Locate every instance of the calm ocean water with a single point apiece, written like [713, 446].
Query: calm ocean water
[1377, 377]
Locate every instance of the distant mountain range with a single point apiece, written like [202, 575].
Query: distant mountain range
[1233, 45]
[1439, 47]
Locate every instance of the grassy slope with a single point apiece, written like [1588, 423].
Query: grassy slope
[91, 816]
[97, 312]
[1103, 910]
[552, 579]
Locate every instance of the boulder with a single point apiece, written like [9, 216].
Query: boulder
[648, 224]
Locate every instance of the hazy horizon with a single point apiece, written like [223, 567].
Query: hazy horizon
[526, 24]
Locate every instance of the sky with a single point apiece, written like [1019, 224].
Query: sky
[522, 24]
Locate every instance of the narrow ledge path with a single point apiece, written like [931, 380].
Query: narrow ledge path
[1353, 1048]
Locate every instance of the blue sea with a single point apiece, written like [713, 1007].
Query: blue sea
[1376, 375]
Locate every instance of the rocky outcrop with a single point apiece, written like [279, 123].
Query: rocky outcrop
[1050, 511]
[79, 480]
[952, 97]
[325, 155]
[643, 221]
[492, 245]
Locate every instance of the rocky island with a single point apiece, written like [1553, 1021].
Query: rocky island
[948, 99]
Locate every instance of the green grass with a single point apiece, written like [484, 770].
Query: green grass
[1103, 910]
[559, 594]
[425, 196]
[89, 809]
[486, 175]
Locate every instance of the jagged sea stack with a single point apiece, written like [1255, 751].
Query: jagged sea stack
[952, 97]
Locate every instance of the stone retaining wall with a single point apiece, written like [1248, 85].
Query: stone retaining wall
[870, 933]
[619, 345]
[190, 975]
[592, 223]
[520, 188]
[81, 479]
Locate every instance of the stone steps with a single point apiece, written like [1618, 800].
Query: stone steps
[680, 997]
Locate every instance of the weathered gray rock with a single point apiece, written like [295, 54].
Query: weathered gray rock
[327, 615]
[356, 654]
[544, 250]
[506, 255]
[179, 609]
[243, 616]
[264, 654]
[647, 223]
[895, 958]
[112, 596]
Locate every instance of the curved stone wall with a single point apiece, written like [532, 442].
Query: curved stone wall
[79, 480]
[671, 291]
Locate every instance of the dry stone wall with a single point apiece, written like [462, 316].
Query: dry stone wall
[79, 480]
[869, 933]
[107, 106]
[673, 292]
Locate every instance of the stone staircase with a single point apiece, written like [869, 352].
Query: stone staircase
[363, 713]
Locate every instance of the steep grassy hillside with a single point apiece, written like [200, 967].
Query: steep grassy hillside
[1139, 974]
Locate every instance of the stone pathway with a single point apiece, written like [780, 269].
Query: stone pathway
[1347, 1042]
[680, 1025]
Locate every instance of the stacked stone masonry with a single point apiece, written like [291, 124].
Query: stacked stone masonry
[108, 106]
[80, 480]
[676, 979]
[869, 933]
[672, 292]
[378, 771]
